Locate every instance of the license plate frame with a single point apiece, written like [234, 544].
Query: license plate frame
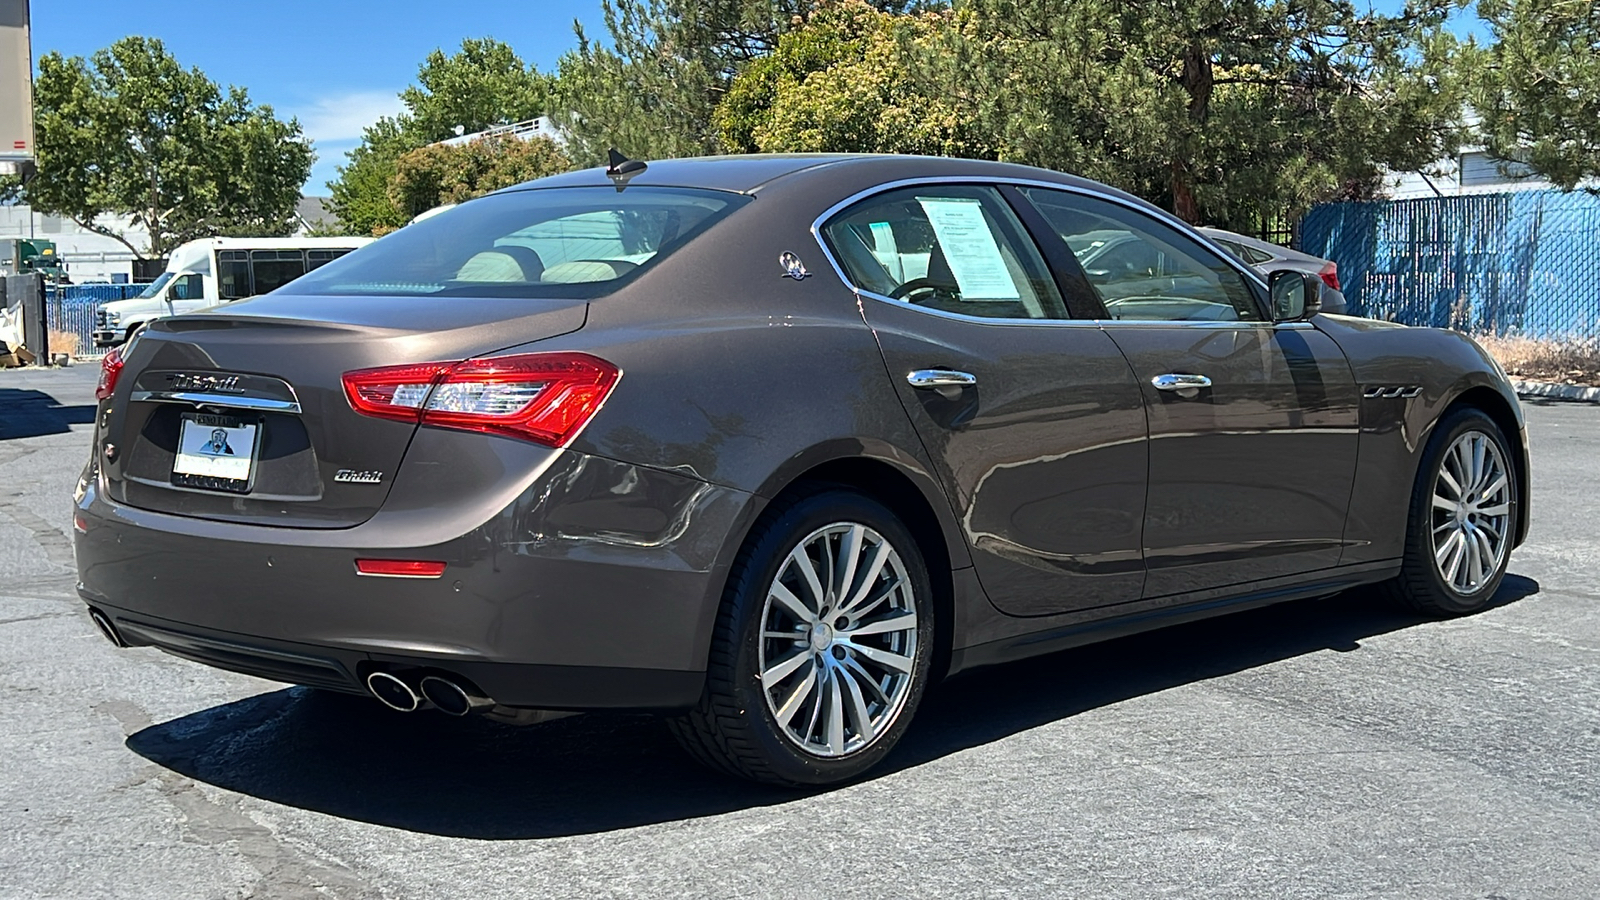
[200, 463]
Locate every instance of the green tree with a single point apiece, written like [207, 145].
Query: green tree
[482, 85]
[1228, 111]
[450, 173]
[130, 132]
[653, 92]
[1538, 86]
[1225, 111]
[849, 81]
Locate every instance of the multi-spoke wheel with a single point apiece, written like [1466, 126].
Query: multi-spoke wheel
[822, 647]
[1463, 518]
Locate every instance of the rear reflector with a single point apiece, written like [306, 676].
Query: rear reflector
[1330, 275]
[400, 568]
[546, 398]
[110, 368]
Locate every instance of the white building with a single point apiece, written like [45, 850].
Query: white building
[527, 131]
[1472, 171]
[89, 256]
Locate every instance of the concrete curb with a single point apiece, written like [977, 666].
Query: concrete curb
[1556, 391]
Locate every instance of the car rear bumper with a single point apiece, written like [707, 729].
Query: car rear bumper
[527, 685]
[595, 588]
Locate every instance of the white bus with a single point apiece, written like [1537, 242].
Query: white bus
[210, 271]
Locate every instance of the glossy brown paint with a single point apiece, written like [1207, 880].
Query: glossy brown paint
[1044, 458]
[1447, 366]
[590, 577]
[1250, 478]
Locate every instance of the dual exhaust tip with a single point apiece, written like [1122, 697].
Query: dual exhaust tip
[447, 695]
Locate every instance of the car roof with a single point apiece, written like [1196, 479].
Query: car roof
[1277, 250]
[751, 173]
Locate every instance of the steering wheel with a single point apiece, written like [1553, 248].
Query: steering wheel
[916, 285]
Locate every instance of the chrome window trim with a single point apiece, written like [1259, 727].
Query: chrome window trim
[1250, 275]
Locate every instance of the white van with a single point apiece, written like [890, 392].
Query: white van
[210, 271]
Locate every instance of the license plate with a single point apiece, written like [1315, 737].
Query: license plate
[216, 453]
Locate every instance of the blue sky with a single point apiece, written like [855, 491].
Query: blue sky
[336, 65]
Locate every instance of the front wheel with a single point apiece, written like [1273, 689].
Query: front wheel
[1463, 518]
[822, 646]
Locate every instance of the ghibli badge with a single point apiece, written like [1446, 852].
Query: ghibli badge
[352, 476]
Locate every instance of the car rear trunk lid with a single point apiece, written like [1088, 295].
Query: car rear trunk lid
[255, 390]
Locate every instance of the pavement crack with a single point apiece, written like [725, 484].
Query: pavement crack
[57, 547]
[286, 872]
[54, 615]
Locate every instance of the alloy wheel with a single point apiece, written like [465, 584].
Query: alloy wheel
[1471, 512]
[838, 641]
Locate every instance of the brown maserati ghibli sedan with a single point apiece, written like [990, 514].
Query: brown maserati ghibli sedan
[771, 445]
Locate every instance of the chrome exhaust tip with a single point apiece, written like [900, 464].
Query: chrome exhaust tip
[103, 622]
[451, 698]
[393, 692]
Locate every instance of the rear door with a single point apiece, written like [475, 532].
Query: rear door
[1033, 420]
[1253, 426]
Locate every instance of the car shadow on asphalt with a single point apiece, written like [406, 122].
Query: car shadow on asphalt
[347, 756]
[26, 413]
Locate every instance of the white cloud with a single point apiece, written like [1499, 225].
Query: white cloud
[340, 118]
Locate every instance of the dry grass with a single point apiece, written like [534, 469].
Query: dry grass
[1561, 362]
[63, 342]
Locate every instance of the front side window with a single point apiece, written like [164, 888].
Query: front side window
[189, 286]
[1142, 268]
[550, 242]
[957, 249]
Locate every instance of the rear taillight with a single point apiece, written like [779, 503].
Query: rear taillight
[110, 368]
[1330, 275]
[542, 397]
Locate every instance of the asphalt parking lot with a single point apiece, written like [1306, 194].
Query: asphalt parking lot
[1333, 748]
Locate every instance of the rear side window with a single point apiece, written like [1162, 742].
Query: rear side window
[955, 248]
[552, 242]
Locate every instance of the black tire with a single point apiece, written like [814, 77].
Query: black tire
[1421, 586]
[734, 728]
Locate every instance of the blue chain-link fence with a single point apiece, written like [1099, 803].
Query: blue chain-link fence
[1524, 263]
[70, 308]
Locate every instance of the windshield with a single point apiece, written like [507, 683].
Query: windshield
[569, 242]
[154, 288]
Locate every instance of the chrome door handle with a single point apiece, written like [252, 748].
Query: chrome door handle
[940, 378]
[1186, 386]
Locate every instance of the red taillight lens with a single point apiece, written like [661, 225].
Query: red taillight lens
[400, 568]
[542, 397]
[392, 392]
[110, 368]
[1330, 275]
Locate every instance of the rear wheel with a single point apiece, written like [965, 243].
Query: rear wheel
[1463, 518]
[822, 645]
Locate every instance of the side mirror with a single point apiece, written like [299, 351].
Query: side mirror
[1296, 296]
[172, 292]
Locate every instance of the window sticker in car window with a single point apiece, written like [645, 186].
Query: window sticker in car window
[887, 249]
[970, 249]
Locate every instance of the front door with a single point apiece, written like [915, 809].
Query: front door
[1253, 426]
[1034, 421]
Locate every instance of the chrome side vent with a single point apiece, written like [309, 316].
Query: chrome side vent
[1390, 391]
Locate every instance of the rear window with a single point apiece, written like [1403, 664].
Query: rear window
[553, 242]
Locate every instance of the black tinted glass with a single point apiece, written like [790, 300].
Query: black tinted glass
[554, 242]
